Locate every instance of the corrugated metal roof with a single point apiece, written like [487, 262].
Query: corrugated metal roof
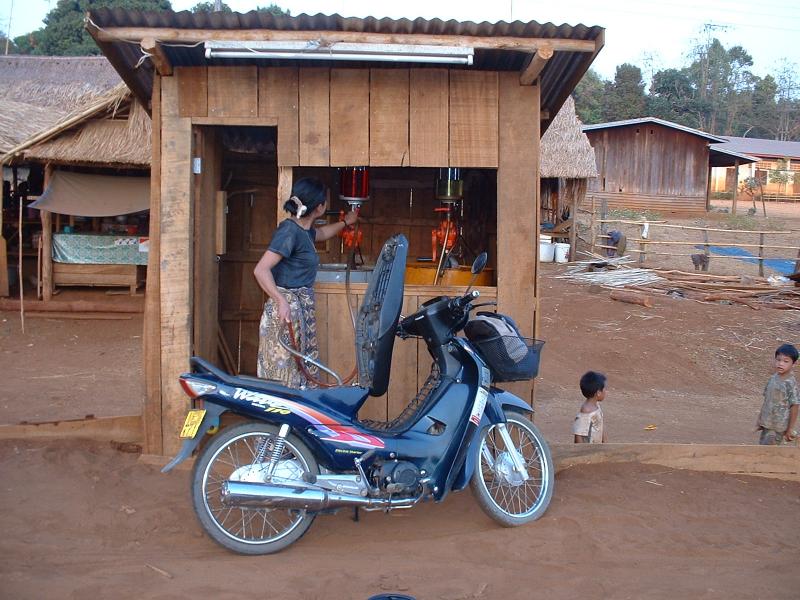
[724, 157]
[761, 147]
[560, 75]
[656, 121]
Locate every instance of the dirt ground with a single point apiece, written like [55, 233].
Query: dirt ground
[82, 519]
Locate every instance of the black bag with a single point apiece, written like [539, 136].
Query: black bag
[498, 341]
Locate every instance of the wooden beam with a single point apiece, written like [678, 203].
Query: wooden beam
[151, 338]
[534, 64]
[156, 51]
[47, 242]
[167, 35]
[237, 121]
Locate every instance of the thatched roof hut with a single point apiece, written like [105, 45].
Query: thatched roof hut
[38, 91]
[566, 151]
[567, 162]
[113, 130]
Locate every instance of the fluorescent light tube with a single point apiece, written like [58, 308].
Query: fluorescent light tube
[312, 50]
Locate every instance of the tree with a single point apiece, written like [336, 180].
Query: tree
[208, 7]
[64, 33]
[625, 97]
[589, 98]
[674, 98]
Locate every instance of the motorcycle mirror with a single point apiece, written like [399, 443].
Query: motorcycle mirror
[477, 266]
[480, 263]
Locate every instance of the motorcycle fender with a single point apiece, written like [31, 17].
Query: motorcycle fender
[210, 419]
[499, 402]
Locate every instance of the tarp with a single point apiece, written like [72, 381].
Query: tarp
[83, 195]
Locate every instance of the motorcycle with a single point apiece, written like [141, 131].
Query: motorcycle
[257, 486]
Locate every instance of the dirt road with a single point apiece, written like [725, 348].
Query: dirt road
[81, 520]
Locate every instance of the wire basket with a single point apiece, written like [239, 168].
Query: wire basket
[510, 357]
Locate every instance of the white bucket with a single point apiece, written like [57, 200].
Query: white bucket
[546, 252]
[561, 252]
[546, 239]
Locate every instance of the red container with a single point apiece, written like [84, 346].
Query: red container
[354, 183]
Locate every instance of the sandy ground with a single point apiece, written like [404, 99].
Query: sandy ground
[82, 520]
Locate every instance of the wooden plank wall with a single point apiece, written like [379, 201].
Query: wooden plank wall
[650, 167]
[350, 117]
[176, 268]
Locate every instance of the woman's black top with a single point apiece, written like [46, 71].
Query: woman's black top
[298, 267]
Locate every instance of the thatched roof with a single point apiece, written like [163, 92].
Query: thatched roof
[565, 149]
[118, 136]
[112, 130]
[38, 91]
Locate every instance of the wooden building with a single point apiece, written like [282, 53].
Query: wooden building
[36, 92]
[235, 122]
[652, 164]
[775, 163]
[96, 164]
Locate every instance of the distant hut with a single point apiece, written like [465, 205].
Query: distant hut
[37, 92]
[567, 163]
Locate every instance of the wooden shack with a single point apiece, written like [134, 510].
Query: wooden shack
[651, 164]
[36, 92]
[235, 122]
[567, 164]
[96, 164]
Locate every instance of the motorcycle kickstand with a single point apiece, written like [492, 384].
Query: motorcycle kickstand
[356, 514]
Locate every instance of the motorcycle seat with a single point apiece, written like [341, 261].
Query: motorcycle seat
[345, 400]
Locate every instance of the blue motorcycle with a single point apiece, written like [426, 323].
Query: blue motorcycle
[257, 486]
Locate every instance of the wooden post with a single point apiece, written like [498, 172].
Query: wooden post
[593, 228]
[4, 291]
[176, 261]
[705, 250]
[47, 242]
[14, 191]
[642, 246]
[151, 337]
[761, 254]
[573, 231]
[735, 185]
[518, 207]
[285, 182]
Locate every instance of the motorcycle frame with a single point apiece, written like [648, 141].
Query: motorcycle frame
[464, 402]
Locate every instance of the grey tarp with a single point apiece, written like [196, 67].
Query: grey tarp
[83, 195]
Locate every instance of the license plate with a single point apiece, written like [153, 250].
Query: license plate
[192, 423]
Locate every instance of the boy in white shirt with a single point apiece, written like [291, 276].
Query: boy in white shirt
[588, 425]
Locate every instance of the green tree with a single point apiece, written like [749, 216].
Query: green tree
[274, 9]
[589, 98]
[625, 97]
[64, 33]
[208, 7]
[674, 98]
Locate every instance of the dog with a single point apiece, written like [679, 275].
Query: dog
[700, 262]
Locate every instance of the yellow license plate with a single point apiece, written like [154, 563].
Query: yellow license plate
[192, 423]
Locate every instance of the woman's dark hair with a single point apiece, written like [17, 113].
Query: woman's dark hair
[591, 383]
[308, 190]
[787, 350]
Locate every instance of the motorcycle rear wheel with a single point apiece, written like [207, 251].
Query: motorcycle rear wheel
[503, 495]
[250, 531]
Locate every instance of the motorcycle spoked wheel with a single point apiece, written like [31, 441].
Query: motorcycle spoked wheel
[251, 531]
[503, 495]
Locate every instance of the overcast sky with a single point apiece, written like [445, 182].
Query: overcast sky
[651, 34]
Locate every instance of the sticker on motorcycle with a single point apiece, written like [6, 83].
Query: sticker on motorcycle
[478, 406]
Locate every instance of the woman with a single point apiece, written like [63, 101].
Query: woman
[286, 273]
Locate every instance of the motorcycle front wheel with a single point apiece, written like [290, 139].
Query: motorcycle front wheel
[242, 453]
[503, 493]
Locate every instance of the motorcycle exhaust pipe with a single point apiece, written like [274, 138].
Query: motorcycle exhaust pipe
[267, 495]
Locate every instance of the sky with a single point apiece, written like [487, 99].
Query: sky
[652, 35]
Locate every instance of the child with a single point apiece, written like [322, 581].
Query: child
[588, 425]
[778, 419]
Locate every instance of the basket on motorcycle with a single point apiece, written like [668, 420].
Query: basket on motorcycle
[509, 355]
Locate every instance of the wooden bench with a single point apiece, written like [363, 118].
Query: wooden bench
[96, 275]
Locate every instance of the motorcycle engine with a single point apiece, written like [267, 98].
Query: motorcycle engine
[396, 476]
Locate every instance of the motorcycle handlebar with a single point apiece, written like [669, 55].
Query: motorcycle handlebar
[465, 299]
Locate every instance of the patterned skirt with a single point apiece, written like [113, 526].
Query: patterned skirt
[274, 361]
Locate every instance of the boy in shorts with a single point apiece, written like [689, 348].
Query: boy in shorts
[777, 422]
